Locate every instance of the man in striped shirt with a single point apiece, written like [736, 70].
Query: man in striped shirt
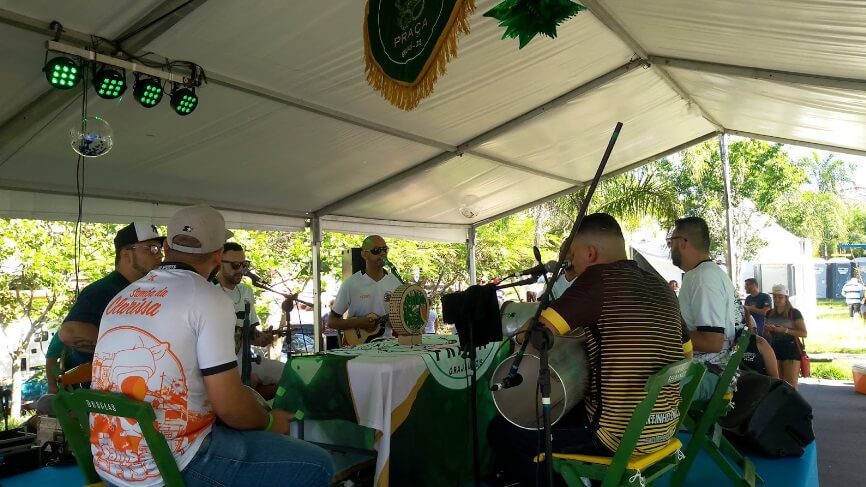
[632, 325]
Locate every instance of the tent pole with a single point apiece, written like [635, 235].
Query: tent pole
[316, 247]
[726, 171]
[470, 254]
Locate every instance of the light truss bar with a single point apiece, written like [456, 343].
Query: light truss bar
[112, 61]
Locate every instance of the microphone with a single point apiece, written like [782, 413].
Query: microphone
[252, 275]
[535, 271]
[507, 382]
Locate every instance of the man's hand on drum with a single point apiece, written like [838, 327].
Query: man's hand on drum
[282, 421]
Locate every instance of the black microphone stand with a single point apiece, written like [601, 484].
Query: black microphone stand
[286, 306]
[539, 335]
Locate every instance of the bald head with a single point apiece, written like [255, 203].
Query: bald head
[599, 240]
[374, 251]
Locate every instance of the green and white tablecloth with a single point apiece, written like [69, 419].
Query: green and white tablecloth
[416, 398]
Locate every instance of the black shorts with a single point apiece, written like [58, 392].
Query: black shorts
[785, 347]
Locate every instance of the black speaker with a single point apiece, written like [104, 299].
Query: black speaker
[769, 418]
[352, 261]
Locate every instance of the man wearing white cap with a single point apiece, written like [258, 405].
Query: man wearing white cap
[168, 339]
[137, 250]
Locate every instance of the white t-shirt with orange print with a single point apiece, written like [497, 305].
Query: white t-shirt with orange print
[158, 338]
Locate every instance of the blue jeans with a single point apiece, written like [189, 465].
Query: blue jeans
[248, 458]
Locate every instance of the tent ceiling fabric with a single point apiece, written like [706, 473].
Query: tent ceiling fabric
[289, 126]
[819, 115]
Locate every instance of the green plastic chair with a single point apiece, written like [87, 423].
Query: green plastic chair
[624, 468]
[73, 408]
[702, 422]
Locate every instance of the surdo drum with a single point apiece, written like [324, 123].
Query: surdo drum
[568, 374]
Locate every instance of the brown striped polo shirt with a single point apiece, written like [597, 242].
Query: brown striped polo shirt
[633, 328]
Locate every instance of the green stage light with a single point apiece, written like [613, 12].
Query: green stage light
[183, 100]
[62, 73]
[147, 90]
[109, 83]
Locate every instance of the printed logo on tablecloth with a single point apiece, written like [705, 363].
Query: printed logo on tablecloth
[441, 355]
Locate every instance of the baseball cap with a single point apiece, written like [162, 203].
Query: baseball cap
[202, 223]
[135, 232]
[780, 289]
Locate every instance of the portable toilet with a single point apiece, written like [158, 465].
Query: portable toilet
[820, 278]
[838, 273]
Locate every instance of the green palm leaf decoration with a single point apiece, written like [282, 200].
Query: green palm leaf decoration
[524, 19]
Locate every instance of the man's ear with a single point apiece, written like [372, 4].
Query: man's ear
[592, 253]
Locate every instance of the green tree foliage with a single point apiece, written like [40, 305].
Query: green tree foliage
[829, 174]
[761, 175]
[37, 278]
[819, 213]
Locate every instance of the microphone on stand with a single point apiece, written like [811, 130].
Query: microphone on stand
[538, 270]
[507, 382]
[255, 277]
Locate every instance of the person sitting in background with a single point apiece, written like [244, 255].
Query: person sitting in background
[852, 291]
[759, 356]
[784, 326]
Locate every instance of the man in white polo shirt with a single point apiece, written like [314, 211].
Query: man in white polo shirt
[365, 294]
[708, 301]
[167, 339]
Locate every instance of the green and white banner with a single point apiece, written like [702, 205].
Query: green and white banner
[408, 43]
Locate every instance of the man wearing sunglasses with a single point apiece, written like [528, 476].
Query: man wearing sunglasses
[365, 294]
[232, 267]
[137, 251]
[708, 302]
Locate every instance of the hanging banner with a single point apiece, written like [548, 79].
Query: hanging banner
[408, 43]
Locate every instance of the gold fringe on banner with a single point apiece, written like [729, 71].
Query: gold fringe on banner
[407, 96]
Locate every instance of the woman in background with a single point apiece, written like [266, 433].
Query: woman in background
[784, 327]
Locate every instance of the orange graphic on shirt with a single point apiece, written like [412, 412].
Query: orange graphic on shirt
[143, 368]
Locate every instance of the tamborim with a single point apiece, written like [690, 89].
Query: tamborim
[408, 309]
[568, 380]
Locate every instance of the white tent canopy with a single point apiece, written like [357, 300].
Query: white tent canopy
[288, 128]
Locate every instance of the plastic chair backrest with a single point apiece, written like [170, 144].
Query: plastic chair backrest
[670, 374]
[73, 408]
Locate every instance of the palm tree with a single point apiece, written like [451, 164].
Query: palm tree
[628, 197]
[828, 173]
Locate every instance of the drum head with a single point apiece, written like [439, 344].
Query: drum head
[568, 380]
[515, 404]
[408, 309]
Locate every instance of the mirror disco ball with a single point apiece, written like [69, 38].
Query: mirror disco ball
[92, 137]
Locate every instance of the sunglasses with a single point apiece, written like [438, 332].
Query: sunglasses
[670, 240]
[379, 250]
[154, 249]
[245, 264]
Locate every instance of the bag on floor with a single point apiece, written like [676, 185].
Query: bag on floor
[769, 417]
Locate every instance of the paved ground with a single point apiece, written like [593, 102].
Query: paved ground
[840, 431]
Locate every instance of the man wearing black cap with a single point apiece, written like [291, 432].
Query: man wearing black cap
[137, 250]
